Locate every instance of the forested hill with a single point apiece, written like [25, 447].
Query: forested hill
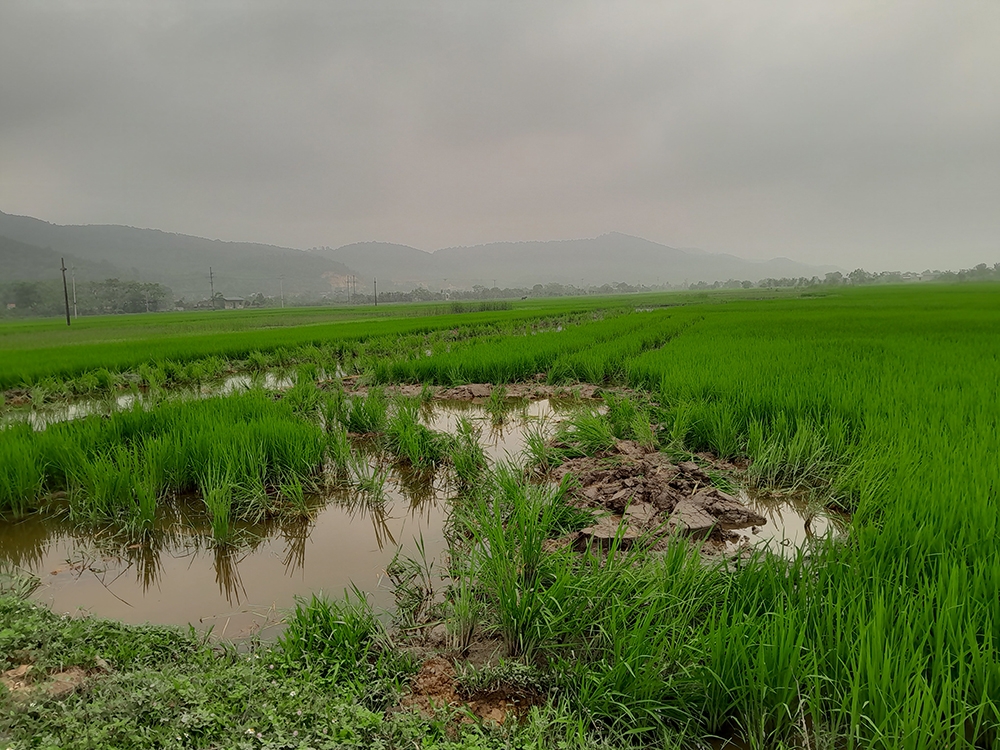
[180, 261]
[20, 261]
[595, 261]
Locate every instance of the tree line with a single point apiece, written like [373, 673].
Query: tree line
[108, 297]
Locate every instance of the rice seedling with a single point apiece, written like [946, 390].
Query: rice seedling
[508, 526]
[880, 400]
[367, 475]
[411, 441]
[413, 587]
[466, 454]
[585, 433]
[497, 405]
[339, 452]
[337, 638]
[305, 398]
[540, 456]
[217, 491]
[368, 414]
[463, 615]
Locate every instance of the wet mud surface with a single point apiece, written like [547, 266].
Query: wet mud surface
[643, 496]
[436, 686]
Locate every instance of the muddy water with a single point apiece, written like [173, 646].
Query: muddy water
[179, 577]
[63, 410]
[792, 523]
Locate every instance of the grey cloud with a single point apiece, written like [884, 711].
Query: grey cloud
[848, 132]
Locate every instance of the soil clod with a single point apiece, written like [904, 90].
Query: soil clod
[643, 494]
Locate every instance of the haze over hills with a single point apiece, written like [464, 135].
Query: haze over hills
[22, 262]
[32, 248]
[179, 261]
[611, 257]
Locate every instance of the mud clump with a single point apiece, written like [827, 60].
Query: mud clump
[640, 494]
[436, 687]
[57, 685]
[478, 392]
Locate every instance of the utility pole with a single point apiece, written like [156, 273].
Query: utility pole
[62, 262]
[75, 314]
[281, 286]
[211, 281]
[376, 292]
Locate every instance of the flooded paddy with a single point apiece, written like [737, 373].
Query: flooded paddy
[178, 575]
[65, 409]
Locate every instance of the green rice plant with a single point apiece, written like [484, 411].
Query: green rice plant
[217, 489]
[411, 441]
[106, 380]
[540, 455]
[681, 420]
[104, 488]
[258, 361]
[463, 616]
[413, 588]
[339, 452]
[628, 420]
[367, 475]
[368, 414]
[621, 414]
[497, 405]
[307, 372]
[292, 491]
[344, 643]
[509, 524]
[334, 408]
[801, 460]
[585, 433]
[22, 473]
[194, 373]
[466, 453]
[305, 398]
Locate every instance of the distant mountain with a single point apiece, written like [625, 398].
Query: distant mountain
[181, 261]
[611, 257]
[23, 262]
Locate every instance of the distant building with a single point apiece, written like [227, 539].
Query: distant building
[11, 305]
[233, 303]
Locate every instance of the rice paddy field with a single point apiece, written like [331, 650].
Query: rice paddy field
[140, 435]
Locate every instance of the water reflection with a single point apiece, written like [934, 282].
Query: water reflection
[177, 574]
[793, 522]
[41, 415]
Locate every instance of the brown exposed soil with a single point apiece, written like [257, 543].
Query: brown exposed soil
[482, 391]
[436, 687]
[56, 685]
[641, 494]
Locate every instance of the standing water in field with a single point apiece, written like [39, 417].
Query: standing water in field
[45, 412]
[176, 575]
[349, 535]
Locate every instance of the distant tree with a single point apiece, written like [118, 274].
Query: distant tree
[27, 295]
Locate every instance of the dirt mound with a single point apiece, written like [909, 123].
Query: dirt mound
[436, 686]
[642, 494]
[56, 685]
[480, 391]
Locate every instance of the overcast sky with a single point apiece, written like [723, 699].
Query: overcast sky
[852, 132]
